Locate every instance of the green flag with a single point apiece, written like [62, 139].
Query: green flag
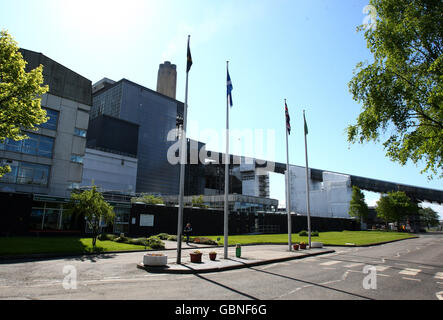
[306, 125]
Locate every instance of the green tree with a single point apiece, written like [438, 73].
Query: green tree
[20, 94]
[358, 207]
[198, 202]
[402, 89]
[148, 199]
[395, 207]
[91, 205]
[429, 217]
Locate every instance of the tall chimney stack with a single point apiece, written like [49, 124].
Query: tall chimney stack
[167, 79]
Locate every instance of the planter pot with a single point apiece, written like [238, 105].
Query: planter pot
[302, 246]
[212, 256]
[196, 257]
[155, 260]
[295, 246]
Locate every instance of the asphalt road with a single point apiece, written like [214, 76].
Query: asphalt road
[409, 269]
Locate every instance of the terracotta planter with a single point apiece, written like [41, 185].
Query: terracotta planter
[212, 256]
[196, 257]
[302, 246]
[295, 246]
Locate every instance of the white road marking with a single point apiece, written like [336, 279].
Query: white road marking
[418, 280]
[382, 275]
[352, 265]
[426, 267]
[329, 263]
[439, 275]
[439, 295]
[381, 268]
[410, 271]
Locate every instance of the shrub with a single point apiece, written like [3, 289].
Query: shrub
[303, 233]
[163, 236]
[138, 242]
[315, 234]
[155, 243]
[172, 238]
[107, 237]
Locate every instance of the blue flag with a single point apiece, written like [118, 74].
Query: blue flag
[230, 88]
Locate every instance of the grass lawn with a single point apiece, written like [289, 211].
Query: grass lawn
[27, 245]
[327, 238]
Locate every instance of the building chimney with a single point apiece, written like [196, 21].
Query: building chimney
[167, 79]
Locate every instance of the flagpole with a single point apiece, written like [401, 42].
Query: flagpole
[227, 160]
[307, 183]
[183, 158]
[288, 192]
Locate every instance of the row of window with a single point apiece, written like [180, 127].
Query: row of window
[27, 173]
[36, 145]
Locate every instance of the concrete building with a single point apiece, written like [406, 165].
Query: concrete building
[50, 163]
[51, 160]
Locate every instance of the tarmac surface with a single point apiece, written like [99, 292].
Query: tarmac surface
[251, 255]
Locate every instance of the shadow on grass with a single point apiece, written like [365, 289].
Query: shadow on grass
[26, 249]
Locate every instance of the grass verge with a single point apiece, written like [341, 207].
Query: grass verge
[11, 246]
[328, 238]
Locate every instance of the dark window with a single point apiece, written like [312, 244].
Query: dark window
[36, 145]
[51, 124]
[27, 173]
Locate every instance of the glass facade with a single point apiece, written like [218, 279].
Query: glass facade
[80, 132]
[36, 145]
[49, 216]
[27, 173]
[77, 158]
[51, 124]
[108, 102]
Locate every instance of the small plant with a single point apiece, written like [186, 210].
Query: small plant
[172, 238]
[163, 236]
[155, 243]
[212, 252]
[196, 252]
[138, 242]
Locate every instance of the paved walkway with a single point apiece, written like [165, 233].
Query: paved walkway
[251, 255]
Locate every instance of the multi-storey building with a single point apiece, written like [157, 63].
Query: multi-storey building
[50, 163]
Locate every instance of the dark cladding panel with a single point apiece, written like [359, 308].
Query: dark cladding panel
[62, 81]
[113, 135]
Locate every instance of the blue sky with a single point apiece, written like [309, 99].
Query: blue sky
[302, 51]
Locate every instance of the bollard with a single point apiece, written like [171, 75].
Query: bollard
[238, 251]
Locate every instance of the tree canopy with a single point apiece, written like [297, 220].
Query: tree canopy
[358, 207]
[91, 205]
[395, 206]
[402, 90]
[20, 94]
[429, 217]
